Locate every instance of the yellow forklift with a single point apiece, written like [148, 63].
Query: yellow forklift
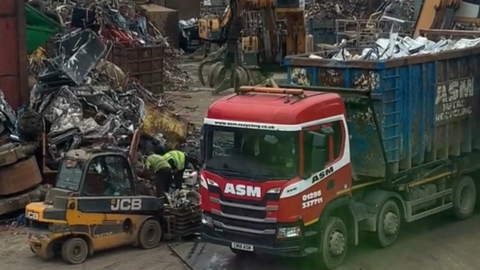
[94, 206]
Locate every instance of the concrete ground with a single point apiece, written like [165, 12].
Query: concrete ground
[437, 243]
[16, 255]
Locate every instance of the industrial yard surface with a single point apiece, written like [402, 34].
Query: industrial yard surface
[437, 243]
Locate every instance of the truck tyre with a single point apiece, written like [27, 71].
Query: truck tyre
[74, 250]
[388, 224]
[334, 244]
[464, 198]
[150, 234]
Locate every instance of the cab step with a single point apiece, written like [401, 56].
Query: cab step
[310, 233]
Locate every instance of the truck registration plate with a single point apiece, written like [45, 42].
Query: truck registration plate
[242, 246]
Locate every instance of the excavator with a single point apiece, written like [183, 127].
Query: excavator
[251, 38]
[438, 14]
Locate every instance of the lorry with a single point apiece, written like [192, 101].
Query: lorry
[361, 148]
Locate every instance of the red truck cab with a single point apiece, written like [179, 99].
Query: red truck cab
[274, 159]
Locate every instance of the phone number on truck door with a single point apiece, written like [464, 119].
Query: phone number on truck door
[311, 199]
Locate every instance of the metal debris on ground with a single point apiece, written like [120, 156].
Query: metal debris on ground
[183, 199]
[86, 100]
[396, 47]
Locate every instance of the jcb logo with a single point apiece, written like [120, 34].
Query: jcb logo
[126, 204]
[31, 215]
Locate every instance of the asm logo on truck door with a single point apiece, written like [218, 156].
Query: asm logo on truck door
[243, 190]
[319, 176]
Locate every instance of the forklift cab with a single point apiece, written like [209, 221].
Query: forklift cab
[87, 173]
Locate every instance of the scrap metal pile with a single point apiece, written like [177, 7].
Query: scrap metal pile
[82, 100]
[396, 47]
[359, 9]
[118, 23]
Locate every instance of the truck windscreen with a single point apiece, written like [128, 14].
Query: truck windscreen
[259, 155]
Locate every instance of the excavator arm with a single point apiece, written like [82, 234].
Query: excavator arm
[436, 14]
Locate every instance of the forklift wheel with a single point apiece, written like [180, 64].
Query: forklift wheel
[74, 250]
[150, 234]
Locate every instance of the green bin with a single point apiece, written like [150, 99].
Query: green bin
[40, 28]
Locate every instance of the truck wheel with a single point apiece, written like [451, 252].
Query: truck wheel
[388, 224]
[464, 198]
[334, 244]
[150, 234]
[74, 250]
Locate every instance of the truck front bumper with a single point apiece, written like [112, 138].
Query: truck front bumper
[285, 248]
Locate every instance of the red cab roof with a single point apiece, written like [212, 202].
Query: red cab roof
[276, 108]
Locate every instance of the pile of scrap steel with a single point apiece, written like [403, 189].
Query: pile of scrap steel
[397, 47]
[119, 25]
[82, 100]
[359, 9]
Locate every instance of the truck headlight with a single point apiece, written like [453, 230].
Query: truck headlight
[206, 220]
[289, 232]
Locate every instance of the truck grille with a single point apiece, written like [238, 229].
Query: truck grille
[245, 216]
[242, 212]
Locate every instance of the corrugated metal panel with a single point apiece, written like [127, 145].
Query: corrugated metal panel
[13, 55]
[428, 109]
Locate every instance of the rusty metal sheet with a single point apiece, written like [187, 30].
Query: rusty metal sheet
[13, 53]
[19, 177]
[142, 63]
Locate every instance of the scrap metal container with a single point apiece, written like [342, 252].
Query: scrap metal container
[142, 63]
[426, 106]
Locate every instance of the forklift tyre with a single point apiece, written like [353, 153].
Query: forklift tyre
[74, 250]
[388, 224]
[464, 198]
[333, 244]
[150, 234]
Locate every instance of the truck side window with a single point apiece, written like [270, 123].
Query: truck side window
[309, 149]
[336, 139]
[328, 152]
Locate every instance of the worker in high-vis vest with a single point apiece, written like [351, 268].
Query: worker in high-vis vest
[178, 160]
[162, 170]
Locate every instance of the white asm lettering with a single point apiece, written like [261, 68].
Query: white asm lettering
[243, 190]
